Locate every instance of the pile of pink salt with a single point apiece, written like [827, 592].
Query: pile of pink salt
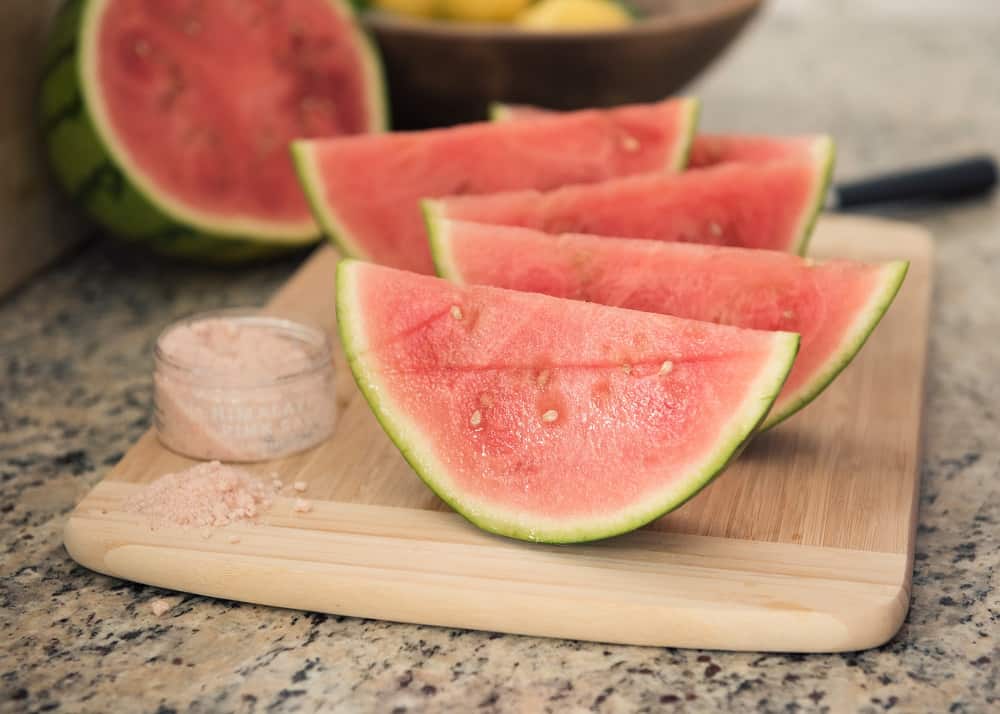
[210, 494]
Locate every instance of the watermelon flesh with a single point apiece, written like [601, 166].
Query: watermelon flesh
[834, 305]
[706, 149]
[535, 429]
[194, 104]
[365, 191]
[771, 206]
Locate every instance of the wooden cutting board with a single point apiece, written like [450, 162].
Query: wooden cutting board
[804, 544]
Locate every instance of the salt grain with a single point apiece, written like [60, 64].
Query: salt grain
[159, 607]
[476, 418]
[550, 416]
[300, 486]
[206, 495]
[715, 229]
[456, 312]
[630, 144]
[234, 539]
[666, 367]
[302, 506]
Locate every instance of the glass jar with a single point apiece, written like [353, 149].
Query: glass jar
[239, 386]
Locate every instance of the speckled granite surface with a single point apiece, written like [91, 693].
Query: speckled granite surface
[894, 87]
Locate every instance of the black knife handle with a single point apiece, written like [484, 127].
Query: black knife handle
[956, 179]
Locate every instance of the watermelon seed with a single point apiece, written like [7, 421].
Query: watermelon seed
[630, 143]
[666, 367]
[543, 378]
[550, 416]
[476, 418]
[456, 312]
[142, 48]
[788, 314]
[715, 229]
[627, 368]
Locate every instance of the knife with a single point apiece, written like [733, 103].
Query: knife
[962, 178]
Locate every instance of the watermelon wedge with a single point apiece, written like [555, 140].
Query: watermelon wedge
[535, 429]
[833, 305]
[365, 191]
[169, 122]
[771, 206]
[706, 149]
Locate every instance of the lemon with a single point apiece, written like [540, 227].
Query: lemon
[482, 10]
[569, 15]
[414, 8]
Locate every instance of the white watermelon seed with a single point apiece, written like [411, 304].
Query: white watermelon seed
[788, 314]
[476, 418]
[627, 368]
[666, 367]
[715, 229]
[543, 378]
[550, 416]
[456, 312]
[630, 143]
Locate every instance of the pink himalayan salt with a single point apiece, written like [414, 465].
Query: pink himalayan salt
[302, 506]
[209, 494]
[243, 388]
[159, 607]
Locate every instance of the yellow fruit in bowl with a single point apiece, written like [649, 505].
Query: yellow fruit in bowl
[414, 8]
[570, 15]
[482, 10]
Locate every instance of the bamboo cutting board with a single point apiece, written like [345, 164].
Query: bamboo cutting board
[804, 544]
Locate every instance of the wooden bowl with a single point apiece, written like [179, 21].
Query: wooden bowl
[441, 73]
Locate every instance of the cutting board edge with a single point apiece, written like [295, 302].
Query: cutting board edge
[707, 603]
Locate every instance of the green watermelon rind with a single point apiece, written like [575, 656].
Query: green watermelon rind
[95, 170]
[893, 274]
[824, 154]
[406, 436]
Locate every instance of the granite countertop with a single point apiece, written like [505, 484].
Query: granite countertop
[906, 83]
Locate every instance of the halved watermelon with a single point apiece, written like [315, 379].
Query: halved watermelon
[365, 191]
[834, 305]
[535, 429]
[771, 205]
[169, 122]
[706, 149]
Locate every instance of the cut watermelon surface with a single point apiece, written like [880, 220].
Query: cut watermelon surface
[707, 149]
[771, 206]
[533, 428]
[365, 191]
[834, 305]
[170, 121]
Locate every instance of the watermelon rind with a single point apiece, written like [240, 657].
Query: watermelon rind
[824, 152]
[97, 171]
[419, 453]
[890, 280]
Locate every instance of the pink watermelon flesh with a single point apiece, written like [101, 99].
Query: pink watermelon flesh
[533, 428]
[833, 305]
[205, 97]
[713, 149]
[771, 206]
[706, 149]
[366, 190]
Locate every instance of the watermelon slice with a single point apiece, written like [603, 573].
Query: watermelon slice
[535, 429]
[833, 305]
[771, 205]
[365, 191]
[706, 149]
[170, 121]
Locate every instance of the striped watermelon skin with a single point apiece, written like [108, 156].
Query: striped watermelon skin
[87, 171]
